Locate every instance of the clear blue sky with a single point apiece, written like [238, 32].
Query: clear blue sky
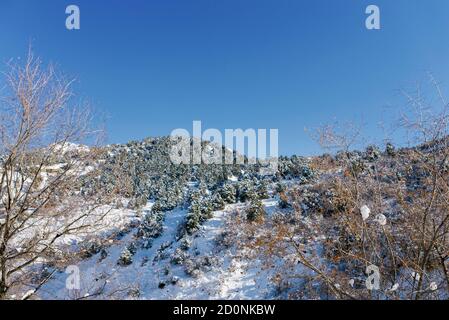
[154, 66]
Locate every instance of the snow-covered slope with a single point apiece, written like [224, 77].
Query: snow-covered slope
[213, 271]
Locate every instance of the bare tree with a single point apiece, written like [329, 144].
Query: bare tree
[429, 213]
[412, 189]
[40, 168]
[388, 210]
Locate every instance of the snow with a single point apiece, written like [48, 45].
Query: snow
[394, 287]
[433, 286]
[271, 206]
[381, 219]
[28, 294]
[365, 211]
[416, 276]
[70, 147]
[351, 282]
[231, 276]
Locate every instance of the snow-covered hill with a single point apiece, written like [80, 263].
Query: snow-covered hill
[167, 270]
[311, 231]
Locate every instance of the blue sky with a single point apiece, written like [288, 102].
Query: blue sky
[153, 66]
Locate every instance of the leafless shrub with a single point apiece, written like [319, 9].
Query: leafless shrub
[406, 233]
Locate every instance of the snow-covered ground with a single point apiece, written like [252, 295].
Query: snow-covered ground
[223, 272]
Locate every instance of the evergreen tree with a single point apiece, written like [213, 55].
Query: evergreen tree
[280, 187]
[150, 228]
[193, 221]
[372, 153]
[126, 258]
[194, 217]
[255, 210]
[157, 207]
[206, 209]
[283, 201]
[390, 149]
[228, 193]
[217, 202]
[246, 191]
[262, 190]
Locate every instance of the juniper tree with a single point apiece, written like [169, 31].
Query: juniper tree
[390, 149]
[206, 206]
[246, 190]
[126, 258]
[280, 187]
[228, 193]
[283, 201]
[193, 221]
[255, 210]
[150, 228]
[262, 190]
[194, 216]
[372, 153]
[217, 202]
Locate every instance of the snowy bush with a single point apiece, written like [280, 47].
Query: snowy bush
[200, 210]
[174, 280]
[217, 202]
[134, 293]
[103, 255]
[193, 222]
[280, 187]
[390, 150]
[262, 190]
[192, 268]
[372, 153]
[283, 202]
[132, 248]
[179, 256]
[311, 201]
[126, 258]
[246, 191]
[91, 248]
[295, 168]
[228, 193]
[185, 243]
[255, 210]
[150, 228]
